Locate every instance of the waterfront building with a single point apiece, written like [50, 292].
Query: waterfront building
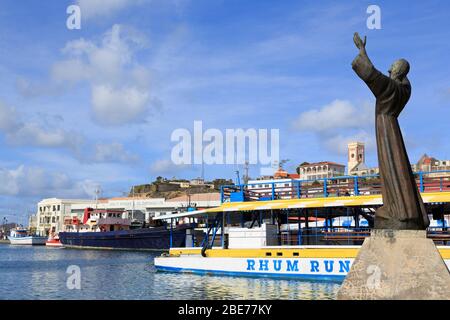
[320, 170]
[427, 164]
[32, 222]
[282, 180]
[53, 214]
[358, 167]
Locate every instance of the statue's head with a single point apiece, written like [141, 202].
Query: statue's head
[399, 69]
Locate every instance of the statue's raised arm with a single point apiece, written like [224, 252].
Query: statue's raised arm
[366, 70]
[361, 45]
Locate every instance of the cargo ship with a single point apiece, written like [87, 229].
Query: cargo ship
[304, 230]
[108, 229]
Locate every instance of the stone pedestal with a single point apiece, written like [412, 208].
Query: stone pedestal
[397, 264]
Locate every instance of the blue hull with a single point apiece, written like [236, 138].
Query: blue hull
[138, 239]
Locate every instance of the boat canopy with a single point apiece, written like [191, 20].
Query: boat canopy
[329, 202]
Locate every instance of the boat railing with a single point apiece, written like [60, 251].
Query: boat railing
[314, 236]
[427, 181]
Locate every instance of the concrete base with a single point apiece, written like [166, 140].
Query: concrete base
[398, 265]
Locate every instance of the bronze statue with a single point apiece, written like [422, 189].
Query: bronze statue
[402, 204]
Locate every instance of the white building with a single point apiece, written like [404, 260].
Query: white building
[320, 170]
[52, 213]
[357, 166]
[357, 160]
[284, 188]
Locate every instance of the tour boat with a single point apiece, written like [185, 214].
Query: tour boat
[21, 236]
[314, 232]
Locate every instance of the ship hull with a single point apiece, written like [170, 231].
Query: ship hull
[53, 243]
[139, 239]
[319, 263]
[36, 241]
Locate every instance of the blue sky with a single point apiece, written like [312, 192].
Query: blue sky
[97, 106]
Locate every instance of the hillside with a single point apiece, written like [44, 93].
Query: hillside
[169, 189]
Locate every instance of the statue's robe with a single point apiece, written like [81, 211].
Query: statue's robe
[402, 204]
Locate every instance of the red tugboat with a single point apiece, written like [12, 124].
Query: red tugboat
[53, 241]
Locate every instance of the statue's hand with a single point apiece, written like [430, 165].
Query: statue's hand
[358, 42]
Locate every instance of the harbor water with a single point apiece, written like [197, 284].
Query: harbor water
[39, 272]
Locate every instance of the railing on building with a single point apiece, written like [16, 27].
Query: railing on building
[430, 181]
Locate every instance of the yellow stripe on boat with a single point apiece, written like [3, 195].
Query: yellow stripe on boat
[299, 252]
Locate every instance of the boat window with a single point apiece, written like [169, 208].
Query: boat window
[279, 254]
[268, 254]
[296, 254]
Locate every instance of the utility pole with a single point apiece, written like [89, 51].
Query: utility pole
[238, 177]
[97, 192]
[246, 167]
[132, 209]
[203, 171]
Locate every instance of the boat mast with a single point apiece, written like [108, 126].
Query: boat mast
[97, 192]
[132, 209]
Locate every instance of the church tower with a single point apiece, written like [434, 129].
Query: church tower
[356, 155]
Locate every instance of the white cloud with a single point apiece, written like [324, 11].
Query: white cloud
[19, 132]
[338, 143]
[161, 167]
[97, 8]
[339, 114]
[33, 181]
[8, 118]
[338, 123]
[33, 134]
[119, 85]
[113, 152]
[117, 106]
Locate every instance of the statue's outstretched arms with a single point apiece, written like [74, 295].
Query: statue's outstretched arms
[364, 68]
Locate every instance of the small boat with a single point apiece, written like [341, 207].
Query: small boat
[21, 236]
[53, 241]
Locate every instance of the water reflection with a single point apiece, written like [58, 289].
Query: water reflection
[215, 287]
[40, 273]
